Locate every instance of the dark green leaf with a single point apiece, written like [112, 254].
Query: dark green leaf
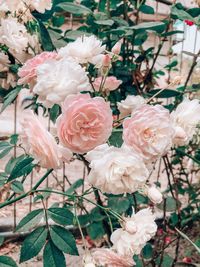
[165, 93]
[30, 220]
[10, 98]
[33, 244]
[147, 251]
[7, 262]
[14, 139]
[63, 239]
[45, 37]
[52, 256]
[95, 230]
[23, 167]
[61, 216]
[146, 9]
[55, 112]
[116, 138]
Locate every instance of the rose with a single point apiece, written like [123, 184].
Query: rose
[154, 195]
[41, 144]
[85, 122]
[124, 171]
[57, 79]
[129, 105]
[149, 131]
[185, 119]
[111, 83]
[28, 72]
[127, 243]
[84, 50]
[13, 34]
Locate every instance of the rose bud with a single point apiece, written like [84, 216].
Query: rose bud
[154, 195]
[116, 48]
[130, 226]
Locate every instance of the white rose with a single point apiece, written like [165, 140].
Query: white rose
[116, 170]
[84, 50]
[126, 243]
[57, 79]
[185, 119]
[154, 195]
[131, 103]
[40, 5]
[13, 35]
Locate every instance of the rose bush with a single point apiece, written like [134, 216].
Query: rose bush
[98, 89]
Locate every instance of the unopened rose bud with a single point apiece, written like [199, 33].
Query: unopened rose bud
[116, 48]
[167, 240]
[177, 80]
[106, 61]
[154, 195]
[130, 227]
[187, 260]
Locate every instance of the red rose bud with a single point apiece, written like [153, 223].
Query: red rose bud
[187, 260]
[189, 22]
[167, 240]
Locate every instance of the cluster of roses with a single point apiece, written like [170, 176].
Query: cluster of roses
[16, 40]
[85, 125]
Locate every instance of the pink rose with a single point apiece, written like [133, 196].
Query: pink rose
[27, 72]
[111, 83]
[41, 145]
[85, 123]
[149, 131]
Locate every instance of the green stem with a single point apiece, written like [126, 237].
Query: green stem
[27, 193]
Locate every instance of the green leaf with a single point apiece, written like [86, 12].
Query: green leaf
[107, 22]
[30, 220]
[4, 145]
[146, 9]
[4, 152]
[33, 244]
[7, 262]
[74, 186]
[180, 14]
[52, 256]
[147, 251]
[118, 204]
[14, 139]
[116, 138]
[1, 240]
[61, 216]
[10, 98]
[12, 162]
[148, 26]
[73, 35]
[76, 9]
[95, 230]
[23, 167]
[63, 240]
[170, 204]
[55, 112]
[17, 187]
[57, 39]
[45, 37]
[167, 93]
[166, 261]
